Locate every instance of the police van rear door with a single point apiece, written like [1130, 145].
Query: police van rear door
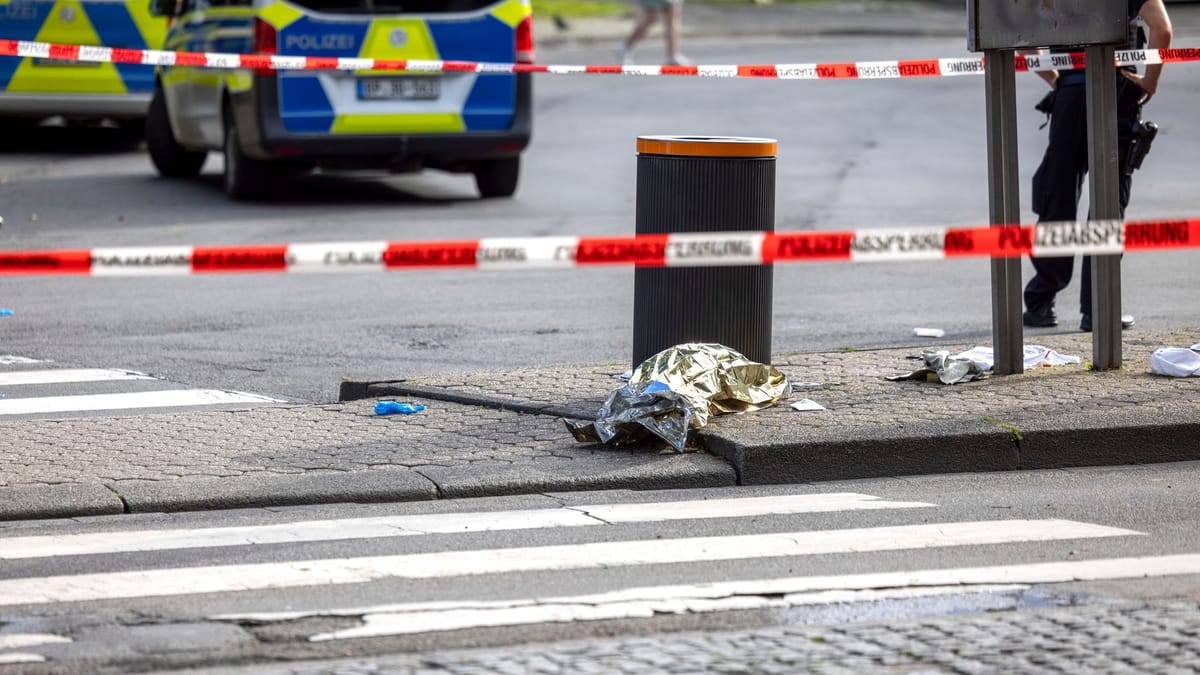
[108, 23]
[382, 103]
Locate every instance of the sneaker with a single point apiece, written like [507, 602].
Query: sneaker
[1085, 323]
[680, 60]
[1045, 319]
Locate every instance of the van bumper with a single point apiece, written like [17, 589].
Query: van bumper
[75, 106]
[264, 136]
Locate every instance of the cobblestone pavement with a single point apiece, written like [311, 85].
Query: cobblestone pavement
[344, 437]
[464, 449]
[349, 437]
[852, 384]
[1124, 638]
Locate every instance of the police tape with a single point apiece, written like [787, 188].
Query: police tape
[861, 70]
[717, 249]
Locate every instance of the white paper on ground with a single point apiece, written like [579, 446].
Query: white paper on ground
[1034, 355]
[806, 404]
[929, 332]
[1176, 361]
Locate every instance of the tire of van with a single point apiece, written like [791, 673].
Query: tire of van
[171, 159]
[245, 178]
[497, 177]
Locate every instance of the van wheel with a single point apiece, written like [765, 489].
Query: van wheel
[245, 178]
[171, 159]
[497, 177]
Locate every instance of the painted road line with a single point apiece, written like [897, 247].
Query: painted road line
[379, 625]
[10, 658]
[11, 360]
[22, 377]
[409, 618]
[23, 640]
[439, 523]
[692, 592]
[336, 571]
[142, 399]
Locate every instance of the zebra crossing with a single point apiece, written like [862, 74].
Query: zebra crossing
[37, 388]
[112, 563]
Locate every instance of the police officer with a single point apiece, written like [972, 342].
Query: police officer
[1059, 180]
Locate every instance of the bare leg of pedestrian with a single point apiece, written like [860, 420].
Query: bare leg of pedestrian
[644, 21]
[673, 18]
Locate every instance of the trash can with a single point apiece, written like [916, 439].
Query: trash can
[689, 184]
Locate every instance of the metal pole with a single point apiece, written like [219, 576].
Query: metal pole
[1103, 169]
[1005, 208]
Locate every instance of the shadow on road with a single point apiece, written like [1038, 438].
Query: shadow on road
[324, 190]
[29, 138]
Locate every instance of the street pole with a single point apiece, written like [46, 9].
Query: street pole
[1004, 207]
[1104, 186]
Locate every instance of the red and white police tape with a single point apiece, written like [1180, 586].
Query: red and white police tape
[860, 70]
[718, 249]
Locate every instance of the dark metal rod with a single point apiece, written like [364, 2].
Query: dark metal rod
[1004, 207]
[1104, 176]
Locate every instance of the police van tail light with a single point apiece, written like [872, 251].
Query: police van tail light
[525, 52]
[266, 41]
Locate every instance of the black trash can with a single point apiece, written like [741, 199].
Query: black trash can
[688, 184]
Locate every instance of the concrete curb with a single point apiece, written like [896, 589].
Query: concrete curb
[656, 472]
[196, 494]
[650, 471]
[942, 447]
[617, 29]
[707, 21]
[65, 500]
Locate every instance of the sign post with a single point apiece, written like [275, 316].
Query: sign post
[999, 29]
[1104, 175]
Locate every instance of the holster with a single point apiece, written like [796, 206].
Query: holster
[1046, 105]
[1144, 134]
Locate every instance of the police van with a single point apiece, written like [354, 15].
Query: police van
[35, 88]
[271, 124]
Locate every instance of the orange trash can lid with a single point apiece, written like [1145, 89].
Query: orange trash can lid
[707, 146]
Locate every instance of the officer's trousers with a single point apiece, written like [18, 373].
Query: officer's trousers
[1058, 183]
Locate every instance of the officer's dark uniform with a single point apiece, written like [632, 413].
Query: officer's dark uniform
[1058, 183]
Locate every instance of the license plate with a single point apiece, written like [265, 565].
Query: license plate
[406, 88]
[38, 61]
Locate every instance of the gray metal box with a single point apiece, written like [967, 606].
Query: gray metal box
[1022, 24]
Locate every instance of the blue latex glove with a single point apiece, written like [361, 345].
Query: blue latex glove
[392, 407]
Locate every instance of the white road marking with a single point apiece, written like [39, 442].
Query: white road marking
[22, 640]
[706, 591]
[142, 399]
[18, 657]
[232, 578]
[377, 625]
[751, 594]
[10, 360]
[69, 375]
[442, 523]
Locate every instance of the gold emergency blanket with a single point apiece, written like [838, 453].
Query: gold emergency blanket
[679, 389]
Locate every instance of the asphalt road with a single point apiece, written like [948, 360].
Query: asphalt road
[218, 590]
[852, 154]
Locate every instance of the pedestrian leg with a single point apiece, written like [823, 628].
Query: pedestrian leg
[673, 18]
[644, 21]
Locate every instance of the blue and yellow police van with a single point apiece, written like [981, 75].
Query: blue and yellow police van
[270, 124]
[33, 88]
